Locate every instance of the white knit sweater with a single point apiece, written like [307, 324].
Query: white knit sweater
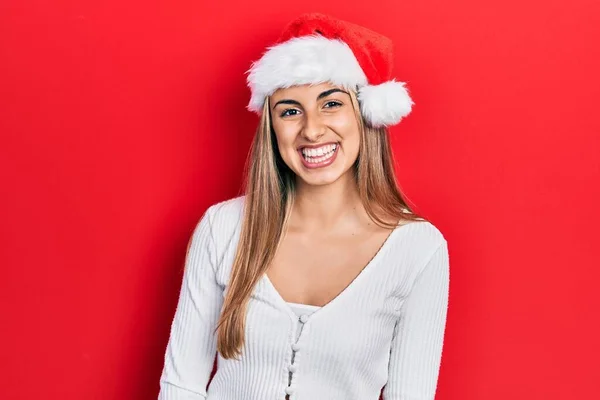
[385, 330]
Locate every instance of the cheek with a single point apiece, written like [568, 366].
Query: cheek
[285, 140]
[346, 126]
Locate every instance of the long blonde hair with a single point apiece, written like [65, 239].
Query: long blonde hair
[270, 188]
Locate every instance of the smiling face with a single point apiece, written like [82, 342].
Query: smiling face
[317, 131]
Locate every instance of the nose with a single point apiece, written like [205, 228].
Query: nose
[314, 128]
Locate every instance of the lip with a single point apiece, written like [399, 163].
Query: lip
[321, 164]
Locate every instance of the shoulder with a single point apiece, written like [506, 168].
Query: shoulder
[225, 218]
[433, 247]
[421, 239]
[424, 232]
[226, 209]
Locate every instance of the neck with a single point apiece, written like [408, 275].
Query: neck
[325, 207]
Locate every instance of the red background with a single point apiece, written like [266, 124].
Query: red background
[121, 122]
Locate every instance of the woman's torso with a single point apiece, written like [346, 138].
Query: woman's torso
[338, 351]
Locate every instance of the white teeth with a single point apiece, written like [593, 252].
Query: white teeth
[324, 150]
[320, 154]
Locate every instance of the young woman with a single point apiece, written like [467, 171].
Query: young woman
[319, 283]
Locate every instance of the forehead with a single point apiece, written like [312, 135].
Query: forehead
[303, 91]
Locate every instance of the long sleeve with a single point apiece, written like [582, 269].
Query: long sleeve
[191, 348]
[416, 352]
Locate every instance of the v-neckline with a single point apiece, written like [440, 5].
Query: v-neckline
[284, 305]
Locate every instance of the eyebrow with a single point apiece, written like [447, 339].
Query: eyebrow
[319, 97]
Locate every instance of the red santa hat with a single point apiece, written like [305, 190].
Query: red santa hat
[317, 48]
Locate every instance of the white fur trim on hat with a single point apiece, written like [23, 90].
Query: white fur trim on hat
[315, 59]
[385, 104]
[303, 60]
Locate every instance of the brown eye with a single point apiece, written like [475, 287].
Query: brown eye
[331, 104]
[286, 113]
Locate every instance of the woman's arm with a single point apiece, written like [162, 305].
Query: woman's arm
[416, 352]
[191, 349]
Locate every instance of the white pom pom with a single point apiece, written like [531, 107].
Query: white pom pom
[385, 104]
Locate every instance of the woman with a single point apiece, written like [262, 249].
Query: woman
[319, 283]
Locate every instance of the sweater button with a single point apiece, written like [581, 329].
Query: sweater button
[292, 368]
[303, 318]
[289, 390]
[295, 347]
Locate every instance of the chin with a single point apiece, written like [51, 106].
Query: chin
[320, 177]
[320, 180]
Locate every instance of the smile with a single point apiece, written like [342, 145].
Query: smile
[317, 157]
